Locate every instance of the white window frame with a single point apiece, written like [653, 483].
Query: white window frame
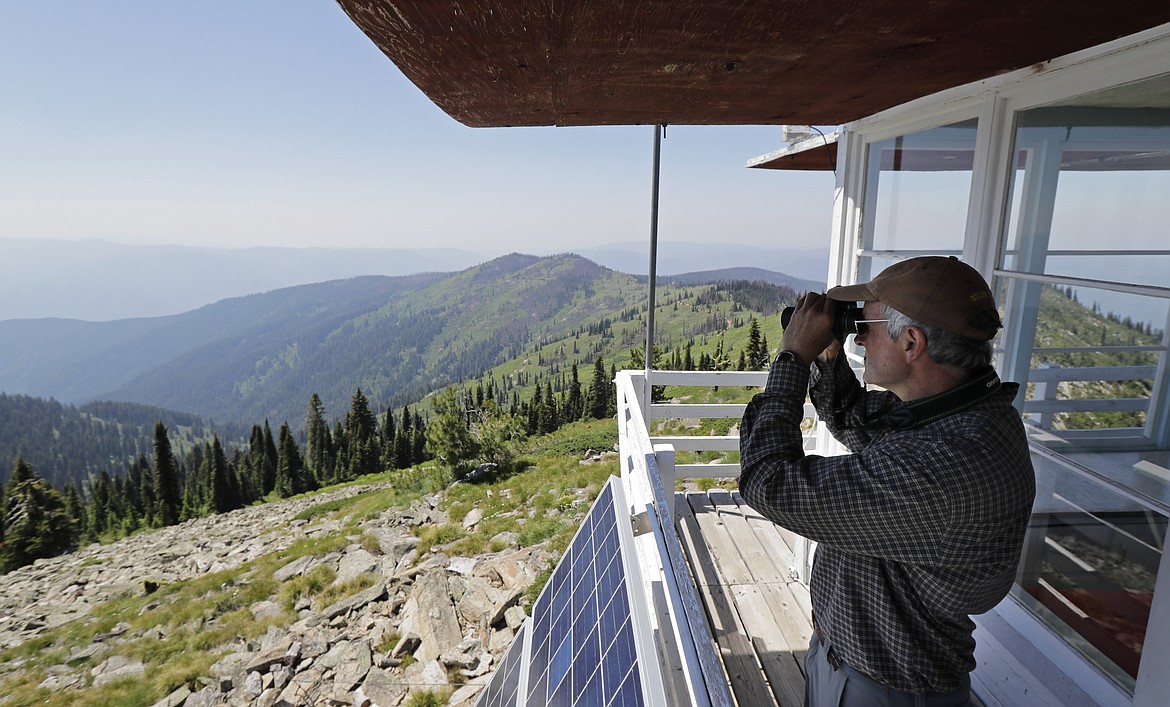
[995, 102]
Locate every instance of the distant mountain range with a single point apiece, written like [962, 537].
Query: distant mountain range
[247, 359]
[98, 280]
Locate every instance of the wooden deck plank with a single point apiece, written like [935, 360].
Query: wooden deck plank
[781, 540]
[759, 615]
[741, 563]
[743, 670]
[770, 612]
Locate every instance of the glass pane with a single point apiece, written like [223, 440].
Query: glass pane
[1089, 216]
[1090, 358]
[917, 190]
[1089, 566]
[1089, 191]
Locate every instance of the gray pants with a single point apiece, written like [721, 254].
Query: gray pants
[845, 687]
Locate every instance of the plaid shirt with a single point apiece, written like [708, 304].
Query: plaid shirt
[918, 528]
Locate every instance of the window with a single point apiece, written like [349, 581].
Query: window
[1084, 286]
[916, 195]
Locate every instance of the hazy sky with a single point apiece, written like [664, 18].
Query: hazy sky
[265, 122]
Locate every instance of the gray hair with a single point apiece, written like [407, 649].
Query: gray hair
[944, 347]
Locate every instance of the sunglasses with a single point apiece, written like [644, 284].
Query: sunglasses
[861, 326]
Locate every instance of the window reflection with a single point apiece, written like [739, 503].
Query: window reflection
[1090, 370]
[1089, 566]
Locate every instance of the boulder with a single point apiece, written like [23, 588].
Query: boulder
[473, 517]
[355, 563]
[381, 688]
[438, 625]
[295, 568]
[176, 699]
[118, 667]
[354, 602]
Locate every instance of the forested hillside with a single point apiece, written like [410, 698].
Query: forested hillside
[68, 444]
[397, 339]
[76, 361]
[519, 347]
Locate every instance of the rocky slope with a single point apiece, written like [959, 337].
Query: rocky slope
[434, 623]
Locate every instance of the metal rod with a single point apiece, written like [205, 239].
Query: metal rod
[653, 271]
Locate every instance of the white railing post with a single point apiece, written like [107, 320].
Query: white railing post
[1043, 390]
[664, 455]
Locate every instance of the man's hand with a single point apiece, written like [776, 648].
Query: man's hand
[810, 331]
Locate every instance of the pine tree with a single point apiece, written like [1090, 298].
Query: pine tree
[99, 506]
[340, 465]
[361, 431]
[222, 497]
[75, 509]
[269, 458]
[638, 362]
[418, 439]
[35, 520]
[597, 400]
[389, 430]
[290, 467]
[535, 408]
[575, 402]
[317, 446]
[449, 436]
[167, 487]
[403, 446]
[757, 355]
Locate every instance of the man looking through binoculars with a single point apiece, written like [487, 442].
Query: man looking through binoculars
[922, 525]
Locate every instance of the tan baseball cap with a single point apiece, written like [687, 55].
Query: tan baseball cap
[940, 291]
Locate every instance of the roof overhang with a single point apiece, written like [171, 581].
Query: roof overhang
[817, 153]
[604, 62]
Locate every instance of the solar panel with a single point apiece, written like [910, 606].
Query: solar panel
[587, 643]
[505, 685]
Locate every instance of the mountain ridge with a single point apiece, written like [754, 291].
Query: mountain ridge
[261, 356]
[101, 280]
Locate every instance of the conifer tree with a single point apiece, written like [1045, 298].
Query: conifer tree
[575, 402]
[638, 362]
[75, 509]
[598, 399]
[99, 507]
[131, 491]
[418, 439]
[754, 346]
[340, 465]
[535, 409]
[361, 437]
[269, 470]
[389, 430]
[257, 464]
[404, 445]
[550, 418]
[167, 487]
[35, 521]
[449, 436]
[290, 468]
[317, 442]
[221, 497]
